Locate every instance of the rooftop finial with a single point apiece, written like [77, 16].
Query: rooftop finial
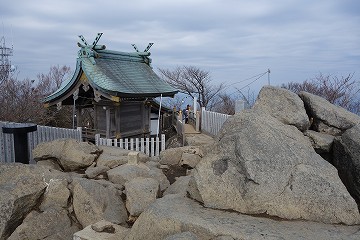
[89, 50]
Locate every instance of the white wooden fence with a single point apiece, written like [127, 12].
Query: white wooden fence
[211, 122]
[43, 134]
[149, 146]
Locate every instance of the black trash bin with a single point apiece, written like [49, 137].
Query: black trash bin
[20, 139]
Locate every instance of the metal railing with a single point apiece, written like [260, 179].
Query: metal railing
[150, 146]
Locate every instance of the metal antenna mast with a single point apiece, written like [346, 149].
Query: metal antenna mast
[5, 63]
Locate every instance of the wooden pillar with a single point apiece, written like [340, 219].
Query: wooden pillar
[78, 117]
[108, 122]
[96, 109]
[146, 118]
[117, 120]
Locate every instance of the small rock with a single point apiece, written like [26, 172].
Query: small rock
[93, 172]
[320, 141]
[133, 158]
[88, 233]
[163, 166]
[103, 226]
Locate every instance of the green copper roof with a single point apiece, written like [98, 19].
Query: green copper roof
[125, 75]
[116, 74]
[67, 85]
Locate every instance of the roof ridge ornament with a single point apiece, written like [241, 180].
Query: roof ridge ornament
[145, 54]
[146, 49]
[89, 51]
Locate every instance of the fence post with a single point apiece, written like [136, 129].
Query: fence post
[157, 148]
[142, 147]
[147, 147]
[97, 139]
[126, 143]
[197, 124]
[137, 144]
[152, 147]
[162, 142]
[79, 134]
[131, 144]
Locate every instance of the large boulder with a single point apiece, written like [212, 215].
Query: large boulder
[57, 195]
[171, 156]
[283, 105]
[327, 117]
[122, 174]
[180, 186]
[262, 166]
[72, 155]
[175, 156]
[93, 202]
[21, 187]
[140, 193]
[347, 160]
[172, 214]
[50, 224]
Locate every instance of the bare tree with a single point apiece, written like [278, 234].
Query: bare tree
[193, 82]
[342, 91]
[21, 100]
[176, 103]
[54, 78]
[226, 102]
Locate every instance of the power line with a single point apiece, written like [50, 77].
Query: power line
[253, 81]
[258, 75]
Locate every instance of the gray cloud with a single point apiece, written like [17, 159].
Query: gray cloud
[232, 39]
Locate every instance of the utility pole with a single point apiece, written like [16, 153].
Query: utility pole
[268, 77]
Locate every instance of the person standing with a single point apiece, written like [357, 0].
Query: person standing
[186, 114]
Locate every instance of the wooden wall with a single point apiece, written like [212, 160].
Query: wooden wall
[125, 119]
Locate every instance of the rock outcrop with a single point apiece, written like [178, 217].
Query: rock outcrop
[21, 187]
[93, 202]
[328, 118]
[262, 166]
[50, 224]
[275, 163]
[70, 154]
[140, 193]
[347, 160]
[283, 105]
[174, 214]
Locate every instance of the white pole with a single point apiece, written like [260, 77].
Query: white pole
[158, 124]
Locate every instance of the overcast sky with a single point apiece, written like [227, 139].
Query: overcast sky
[232, 39]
